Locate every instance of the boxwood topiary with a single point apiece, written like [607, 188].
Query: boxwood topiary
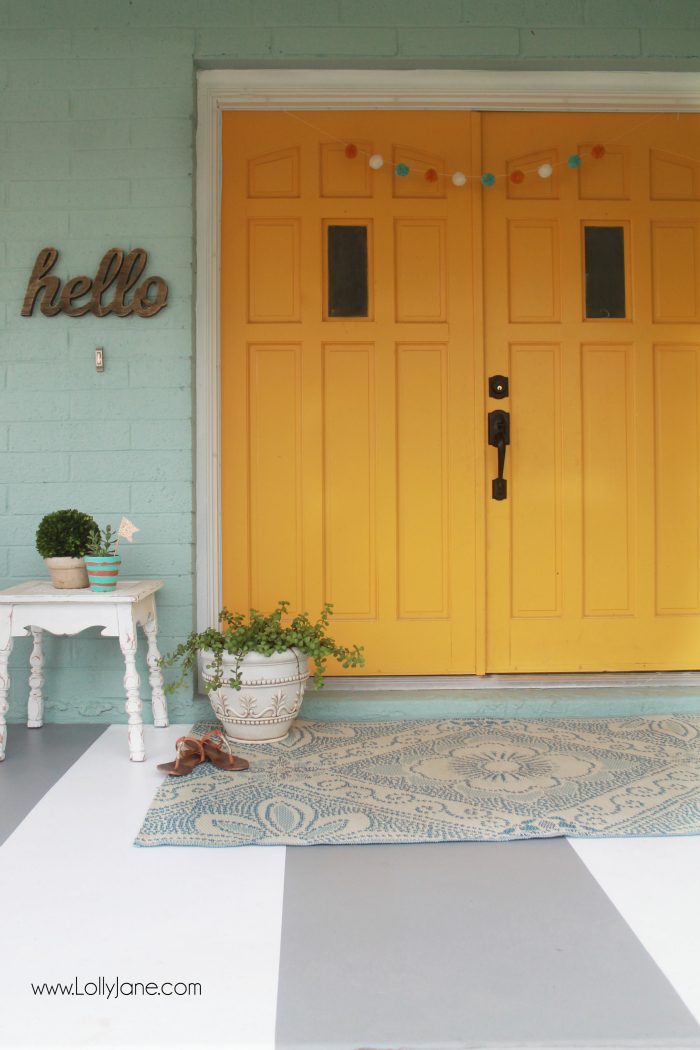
[64, 534]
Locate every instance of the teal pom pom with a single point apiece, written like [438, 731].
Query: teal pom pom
[402, 170]
[574, 161]
[488, 179]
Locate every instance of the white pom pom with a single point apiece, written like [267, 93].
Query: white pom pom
[544, 171]
[376, 161]
[459, 178]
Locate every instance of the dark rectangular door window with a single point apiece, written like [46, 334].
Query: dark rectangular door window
[605, 271]
[348, 292]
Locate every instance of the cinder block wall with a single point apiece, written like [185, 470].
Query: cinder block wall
[96, 150]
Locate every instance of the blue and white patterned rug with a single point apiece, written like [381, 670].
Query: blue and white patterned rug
[447, 780]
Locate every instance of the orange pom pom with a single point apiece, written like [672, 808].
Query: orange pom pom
[431, 175]
[517, 175]
[598, 152]
[351, 150]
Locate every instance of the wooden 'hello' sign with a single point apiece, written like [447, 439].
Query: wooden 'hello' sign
[119, 272]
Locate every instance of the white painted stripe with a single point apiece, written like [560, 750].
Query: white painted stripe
[653, 883]
[79, 900]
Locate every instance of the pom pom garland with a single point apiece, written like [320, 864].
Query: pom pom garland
[459, 178]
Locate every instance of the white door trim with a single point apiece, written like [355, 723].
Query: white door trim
[276, 89]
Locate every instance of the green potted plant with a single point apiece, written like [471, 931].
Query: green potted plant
[255, 668]
[62, 539]
[102, 559]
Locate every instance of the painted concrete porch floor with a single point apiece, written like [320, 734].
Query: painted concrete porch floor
[535, 944]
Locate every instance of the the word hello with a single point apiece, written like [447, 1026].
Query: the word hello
[119, 272]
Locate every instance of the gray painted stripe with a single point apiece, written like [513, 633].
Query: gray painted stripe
[463, 944]
[35, 759]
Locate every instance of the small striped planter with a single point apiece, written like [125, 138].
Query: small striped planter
[102, 571]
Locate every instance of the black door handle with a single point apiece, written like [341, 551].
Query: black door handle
[499, 437]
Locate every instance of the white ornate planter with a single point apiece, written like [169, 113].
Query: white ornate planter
[67, 573]
[269, 699]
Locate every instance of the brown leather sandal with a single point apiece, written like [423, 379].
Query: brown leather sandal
[218, 750]
[190, 753]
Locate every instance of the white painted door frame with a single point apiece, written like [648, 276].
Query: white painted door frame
[279, 89]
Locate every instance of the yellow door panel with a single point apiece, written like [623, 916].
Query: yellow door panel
[593, 561]
[536, 490]
[348, 421]
[675, 253]
[608, 478]
[349, 478]
[676, 434]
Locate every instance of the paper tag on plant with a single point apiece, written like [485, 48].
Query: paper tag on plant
[127, 529]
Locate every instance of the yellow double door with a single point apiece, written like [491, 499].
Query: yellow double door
[365, 307]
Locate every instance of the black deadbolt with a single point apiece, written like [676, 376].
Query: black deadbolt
[498, 386]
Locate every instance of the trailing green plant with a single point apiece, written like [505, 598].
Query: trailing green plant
[103, 542]
[64, 534]
[260, 633]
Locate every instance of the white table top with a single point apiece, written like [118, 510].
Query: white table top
[44, 591]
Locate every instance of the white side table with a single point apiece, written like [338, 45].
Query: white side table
[36, 606]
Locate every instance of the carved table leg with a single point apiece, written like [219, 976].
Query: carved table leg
[35, 707]
[155, 675]
[132, 685]
[5, 650]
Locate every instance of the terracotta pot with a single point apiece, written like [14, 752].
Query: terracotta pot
[67, 573]
[269, 699]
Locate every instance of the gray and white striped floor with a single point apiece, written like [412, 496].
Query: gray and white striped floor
[545, 943]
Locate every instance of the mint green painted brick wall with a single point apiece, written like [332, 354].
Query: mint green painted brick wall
[96, 149]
